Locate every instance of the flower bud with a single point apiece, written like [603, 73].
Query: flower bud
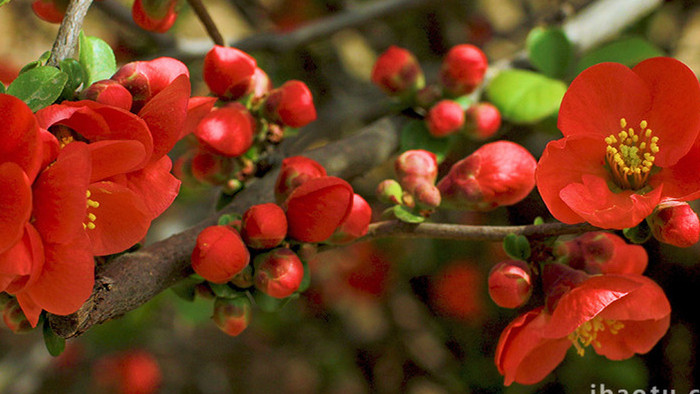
[232, 315]
[154, 15]
[557, 280]
[132, 371]
[499, 173]
[601, 253]
[482, 121]
[108, 92]
[389, 191]
[227, 131]
[14, 317]
[444, 118]
[219, 254]
[427, 196]
[51, 11]
[316, 208]
[278, 273]
[294, 172]
[414, 167]
[355, 224]
[291, 104]
[463, 69]
[145, 79]
[397, 72]
[228, 72]
[675, 223]
[207, 167]
[260, 83]
[510, 283]
[264, 226]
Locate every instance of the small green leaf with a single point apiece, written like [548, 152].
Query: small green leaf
[415, 135]
[550, 51]
[627, 50]
[638, 234]
[224, 220]
[223, 291]
[525, 96]
[403, 214]
[185, 289]
[538, 221]
[517, 247]
[38, 87]
[465, 101]
[42, 61]
[97, 58]
[76, 77]
[2, 88]
[54, 344]
[272, 304]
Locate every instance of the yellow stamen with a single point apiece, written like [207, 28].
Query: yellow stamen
[630, 155]
[90, 225]
[587, 333]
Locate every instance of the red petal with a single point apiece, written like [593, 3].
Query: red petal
[598, 205]
[23, 262]
[626, 258]
[16, 203]
[30, 308]
[564, 162]
[682, 180]
[165, 115]
[155, 185]
[67, 278]
[646, 302]
[599, 97]
[50, 147]
[121, 220]
[59, 194]
[674, 115]
[20, 135]
[197, 108]
[114, 157]
[637, 337]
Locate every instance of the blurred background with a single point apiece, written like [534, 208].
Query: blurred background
[387, 316]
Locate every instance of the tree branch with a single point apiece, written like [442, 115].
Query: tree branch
[68, 33]
[206, 20]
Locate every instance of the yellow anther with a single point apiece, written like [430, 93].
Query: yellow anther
[609, 140]
[643, 124]
[93, 204]
[622, 135]
[587, 333]
[623, 123]
[642, 146]
[654, 148]
[630, 156]
[91, 225]
[92, 217]
[654, 140]
[84, 226]
[647, 133]
[635, 139]
[631, 132]
[87, 193]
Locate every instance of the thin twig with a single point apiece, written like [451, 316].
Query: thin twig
[206, 20]
[68, 33]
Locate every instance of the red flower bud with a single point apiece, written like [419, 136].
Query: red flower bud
[456, 291]
[228, 72]
[317, 207]
[108, 92]
[510, 283]
[133, 371]
[483, 120]
[232, 315]
[154, 15]
[145, 79]
[355, 224]
[463, 69]
[14, 317]
[601, 253]
[414, 167]
[499, 173]
[389, 191]
[260, 83]
[51, 11]
[291, 104]
[278, 273]
[294, 172]
[397, 72]
[675, 223]
[207, 167]
[219, 254]
[227, 131]
[427, 196]
[444, 118]
[264, 226]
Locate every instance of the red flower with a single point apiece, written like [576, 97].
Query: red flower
[617, 315]
[463, 69]
[482, 120]
[154, 15]
[264, 226]
[134, 371]
[630, 140]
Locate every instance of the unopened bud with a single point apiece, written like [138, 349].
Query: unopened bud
[51, 11]
[427, 196]
[14, 317]
[145, 79]
[232, 315]
[355, 224]
[414, 167]
[291, 104]
[445, 118]
[227, 131]
[154, 15]
[108, 92]
[228, 71]
[482, 121]
[463, 69]
[510, 283]
[389, 191]
[278, 273]
[294, 172]
[675, 223]
[264, 226]
[219, 254]
[497, 174]
[208, 167]
[397, 72]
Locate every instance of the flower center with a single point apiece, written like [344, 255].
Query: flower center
[90, 216]
[630, 155]
[587, 333]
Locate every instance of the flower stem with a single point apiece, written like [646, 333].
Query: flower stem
[208, 23]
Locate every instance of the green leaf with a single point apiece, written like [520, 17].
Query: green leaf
[550, 51]
[638, 234]
[517, 247]
[403, 214]
[76, 77]
[54, 344]
[42, 61]
[223, 291]
[3, 2]
[525, 96]
[415, 135]
[627, 50]
[224, 220]
[38, 87]
[270, 304]
[97, 59]
[2, 88]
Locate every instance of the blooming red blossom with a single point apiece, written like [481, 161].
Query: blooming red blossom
[499, 173]
[154, 15]
[397, 72]
[445, 118]
[630, 140]
[291, 104]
